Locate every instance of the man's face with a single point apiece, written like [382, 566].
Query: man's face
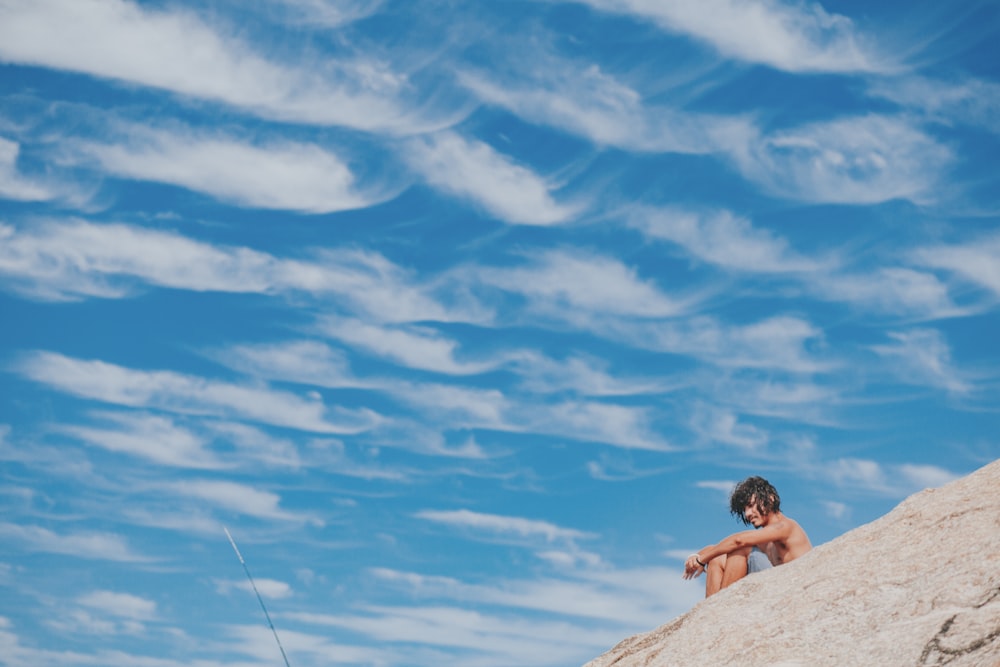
[752, 514]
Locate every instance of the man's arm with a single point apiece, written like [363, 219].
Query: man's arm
[773, 533]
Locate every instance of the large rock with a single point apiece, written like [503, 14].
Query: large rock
[920, 586]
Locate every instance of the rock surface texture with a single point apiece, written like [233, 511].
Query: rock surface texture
[920, 586]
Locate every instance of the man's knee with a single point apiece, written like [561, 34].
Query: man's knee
[717, 563]
[742, 552]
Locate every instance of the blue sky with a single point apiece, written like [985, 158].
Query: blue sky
[464, 317]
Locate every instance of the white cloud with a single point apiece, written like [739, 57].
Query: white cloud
[287, 176]
[58, 260]
[617, 425]
[326, 13]
[863, 160]
[254, 446]
[886, 479]
[576, 285]
[151, 437]
[628, 598]
[723, 239]
[836, 510]
[475, 171]
[922, 357]
[185, 394]
[894, 290]
[260, 646]
[592, 104]
[373, 286]
[413, 346]
[454, 406]
[303, 361]
[91, 545]
[782, 342]
[580, 376]
[268, 588]
[975, 261]
[926, 476]
[797, 37]
[723, 426]
[235, 497]
[724, 487]
[12, 184]
[503, 525]
[800, 399]
[124, 605]
[178, 51]
[970, 101]
[493, 639]
[859, 472]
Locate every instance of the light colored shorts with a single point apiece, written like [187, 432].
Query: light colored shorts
[758, 561]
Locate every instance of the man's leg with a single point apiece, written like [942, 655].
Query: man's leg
[736, 566]
[713, 575]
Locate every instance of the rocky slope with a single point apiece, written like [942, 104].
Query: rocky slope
[920, 586]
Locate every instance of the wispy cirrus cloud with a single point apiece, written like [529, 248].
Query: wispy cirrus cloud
[495, 638]
[581, 376]
[278, 175]
[500, 526]
[323, 12]
[411, 345]
[185, 394]
[78, 544]
[614, 597]
[72, 259]
[974, 261]
[795, 37]
[104, 613]
[892, 290]
[13, 184]
[475, 171]
[235, 497]
[123, 605]
[151, 437]
[724, 239]
[303, 361]
[268, 588]
[453, 406]
[590, 421]
[969, 101]
[894, 480]
[782, 342]
[862, 160]
[577, 285]
[726, 427]
[586, 101]
[922, 357]
[180, 51]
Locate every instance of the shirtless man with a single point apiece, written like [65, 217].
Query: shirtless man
[776, 539]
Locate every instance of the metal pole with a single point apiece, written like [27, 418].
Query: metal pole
[257, 593]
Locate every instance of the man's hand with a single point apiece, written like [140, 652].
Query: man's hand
[691, 567]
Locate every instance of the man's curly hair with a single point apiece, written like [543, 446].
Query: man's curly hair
[759, 492]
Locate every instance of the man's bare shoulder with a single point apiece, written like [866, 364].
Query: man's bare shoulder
[796, 542]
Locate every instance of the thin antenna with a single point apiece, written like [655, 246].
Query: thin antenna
[259, 598]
